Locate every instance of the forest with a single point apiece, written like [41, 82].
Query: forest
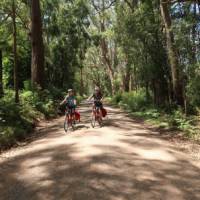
[143, 54]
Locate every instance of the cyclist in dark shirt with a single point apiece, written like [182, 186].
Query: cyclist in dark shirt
[97, 97]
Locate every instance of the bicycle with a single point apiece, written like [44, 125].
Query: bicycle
[96, 117]
[70, 120]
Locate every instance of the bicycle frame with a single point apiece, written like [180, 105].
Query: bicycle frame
[96, 116]
[96, 112]
[69, 120]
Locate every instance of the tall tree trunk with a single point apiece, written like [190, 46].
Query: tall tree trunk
[1, 74]
[16, 87]
[82, 84]
[172, 54]
[106, 59]
[37, 63]
[104, 48]
[147, 90]
[127, 79]
[154, 92]
[194, 34]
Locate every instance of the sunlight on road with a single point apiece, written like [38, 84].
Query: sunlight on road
[155, 154]
[121, 161]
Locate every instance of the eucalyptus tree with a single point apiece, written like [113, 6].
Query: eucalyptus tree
[139, 34]
[66, 40]
[37, 63]
[9, 14]
[1, 74]
[172, 54]
[102, 17]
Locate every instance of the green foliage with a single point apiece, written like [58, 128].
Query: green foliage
[135, 100]
[79, 99]
[8, 72]
[67, 42]
[16, 121]
[77, 34]
[171, 119]
[177, 119]
[174, 120]
[193, 89]
[117, 98]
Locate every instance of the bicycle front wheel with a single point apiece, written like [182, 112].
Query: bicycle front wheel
[73, 125]
[66, 125]
[93, 120]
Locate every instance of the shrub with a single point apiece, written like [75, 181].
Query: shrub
[79, 99]
[27, 85]
[117, 98]
[193, 89]
[18, 120]
[172, 117]
[135, 100]
[179, 120]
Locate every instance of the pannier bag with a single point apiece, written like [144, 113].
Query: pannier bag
[77, 116]
[104, 112]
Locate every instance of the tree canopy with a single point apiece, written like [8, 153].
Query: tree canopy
[120, 45]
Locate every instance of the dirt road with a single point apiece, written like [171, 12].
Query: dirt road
[124, 160]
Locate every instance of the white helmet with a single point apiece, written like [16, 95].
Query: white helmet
[70, 90]
[97, 88]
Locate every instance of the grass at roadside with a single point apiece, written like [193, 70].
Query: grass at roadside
[170, 119]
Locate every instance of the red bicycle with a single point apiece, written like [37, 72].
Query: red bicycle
[96, 117]
[70, 119]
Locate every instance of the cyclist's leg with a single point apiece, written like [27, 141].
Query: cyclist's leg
[73, 115]
[70, 115]
[93, 107]
[99, 118]
[101, 114]
[66, 115]
[96, 112]
[100, 110]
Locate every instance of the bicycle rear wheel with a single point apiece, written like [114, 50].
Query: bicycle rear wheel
[100, 121]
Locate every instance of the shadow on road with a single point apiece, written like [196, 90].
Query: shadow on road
[121, 161]
[57, 174]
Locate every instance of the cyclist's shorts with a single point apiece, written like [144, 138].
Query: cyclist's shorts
[98, 104]
[71, 110]
[70, 106]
